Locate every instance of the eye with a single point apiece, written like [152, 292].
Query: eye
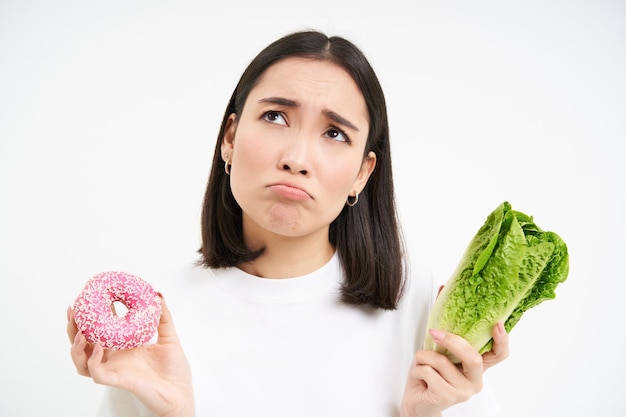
[273, 116]
[337, 135]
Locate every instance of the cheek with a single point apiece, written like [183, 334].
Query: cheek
[249, 154]
[250, 161]
[337, 186]
[339, 179]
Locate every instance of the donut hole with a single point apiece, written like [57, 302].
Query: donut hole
[119, 308]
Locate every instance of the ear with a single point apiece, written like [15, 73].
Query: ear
[367, 167]
[228, 140]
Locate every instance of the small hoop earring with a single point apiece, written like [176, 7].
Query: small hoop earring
[354, 201]
[227, 166]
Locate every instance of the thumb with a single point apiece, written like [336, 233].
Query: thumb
[167, 331]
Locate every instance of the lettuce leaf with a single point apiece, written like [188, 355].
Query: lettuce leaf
[510, 266]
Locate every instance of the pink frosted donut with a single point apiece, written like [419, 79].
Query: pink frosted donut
[97, 320]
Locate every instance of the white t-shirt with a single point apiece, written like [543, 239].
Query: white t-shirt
[289, 347]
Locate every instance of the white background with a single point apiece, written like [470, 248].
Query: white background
[109, 113]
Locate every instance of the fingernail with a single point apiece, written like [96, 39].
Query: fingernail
[77, 338]
[437, 335]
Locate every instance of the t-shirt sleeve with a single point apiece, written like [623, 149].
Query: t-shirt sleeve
[117, 402]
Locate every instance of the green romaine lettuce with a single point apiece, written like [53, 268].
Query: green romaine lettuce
[510, 266]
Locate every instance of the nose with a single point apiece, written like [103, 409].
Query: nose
[295, 156]
[290, 168]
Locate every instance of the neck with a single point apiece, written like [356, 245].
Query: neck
[288, 257]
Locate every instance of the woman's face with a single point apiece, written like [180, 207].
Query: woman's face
[297, 150]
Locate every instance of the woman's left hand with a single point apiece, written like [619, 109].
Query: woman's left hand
[435, 383]
[157, 374]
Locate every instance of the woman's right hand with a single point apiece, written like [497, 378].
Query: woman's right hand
[157, 374]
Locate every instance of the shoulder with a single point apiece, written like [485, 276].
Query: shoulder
[185, 285]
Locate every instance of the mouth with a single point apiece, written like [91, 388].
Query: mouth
[290, 192]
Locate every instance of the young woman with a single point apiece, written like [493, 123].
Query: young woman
[305, 307]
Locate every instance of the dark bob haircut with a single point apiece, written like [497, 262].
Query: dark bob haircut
[367, 236]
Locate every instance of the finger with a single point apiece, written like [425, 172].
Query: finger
[500, 349]
[440, 363]
[435, 369]
[71, 324]
[440, 380]
[500, 340]
[427, 378]
[79, 354]
[97, 369]
[471, 360]
[167, 331]
[437, 389]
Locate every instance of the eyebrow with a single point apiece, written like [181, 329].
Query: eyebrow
[335, 117]
[339, 119]
[280, 101]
